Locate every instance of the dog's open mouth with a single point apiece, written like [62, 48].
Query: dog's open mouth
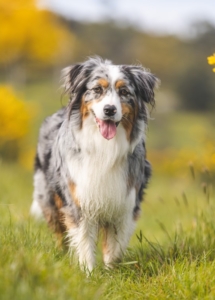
[107, 128]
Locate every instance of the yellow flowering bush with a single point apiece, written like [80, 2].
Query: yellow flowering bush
[211, 61]
[14, 121]
[28, 32]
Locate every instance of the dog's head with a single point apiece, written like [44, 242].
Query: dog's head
[109, 95]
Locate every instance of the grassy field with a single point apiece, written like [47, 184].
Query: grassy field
[170, 256]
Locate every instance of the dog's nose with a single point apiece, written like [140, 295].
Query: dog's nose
[109, 110]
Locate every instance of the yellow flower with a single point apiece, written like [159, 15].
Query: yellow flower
[211, 59]
[14, 115]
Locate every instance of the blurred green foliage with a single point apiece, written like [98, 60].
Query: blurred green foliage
[181, 64]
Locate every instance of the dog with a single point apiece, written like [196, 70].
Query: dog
[91, 167]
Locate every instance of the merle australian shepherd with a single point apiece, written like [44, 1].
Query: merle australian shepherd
[91, 167]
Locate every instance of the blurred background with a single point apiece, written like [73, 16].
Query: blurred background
[172, 39]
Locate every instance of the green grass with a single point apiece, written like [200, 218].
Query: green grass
[171, 256]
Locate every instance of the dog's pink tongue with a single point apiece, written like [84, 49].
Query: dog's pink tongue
[107, 129]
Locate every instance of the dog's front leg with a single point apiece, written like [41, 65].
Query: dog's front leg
[116, 239]
[82, 242]
[118, 233]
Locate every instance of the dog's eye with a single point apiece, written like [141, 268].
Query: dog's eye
[97, 90]
[123, 92]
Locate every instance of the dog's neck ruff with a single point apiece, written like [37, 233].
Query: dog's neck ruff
[99, 173]
[94, 144]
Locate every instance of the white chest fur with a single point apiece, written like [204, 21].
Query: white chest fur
[100, 175]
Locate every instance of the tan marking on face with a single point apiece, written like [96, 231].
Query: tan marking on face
[85, 109]
[128, 119]
[72, 188]
[103, 82]
[119, 84]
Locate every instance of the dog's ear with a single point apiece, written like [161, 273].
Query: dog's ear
[144, 82]
[71, 78]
